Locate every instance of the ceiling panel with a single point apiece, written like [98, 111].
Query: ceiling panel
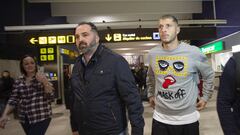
[122, 18]
[124, 14]
[118, 8]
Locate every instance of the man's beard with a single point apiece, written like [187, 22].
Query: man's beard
[169, 41]
[88, 49]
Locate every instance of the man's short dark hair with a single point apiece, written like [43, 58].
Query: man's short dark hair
[170, 17]
[93, 26]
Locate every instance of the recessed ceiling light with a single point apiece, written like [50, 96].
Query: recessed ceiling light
[145, 50]
[128, 53]
[102, 19]
[124, 49]
[151, 44]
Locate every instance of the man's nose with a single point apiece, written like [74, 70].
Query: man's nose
[81, 39]
[164, 28]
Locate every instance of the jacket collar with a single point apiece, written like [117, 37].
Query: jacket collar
[97, 53]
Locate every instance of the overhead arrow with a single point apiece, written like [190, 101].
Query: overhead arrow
[33, 40]
[108, 37]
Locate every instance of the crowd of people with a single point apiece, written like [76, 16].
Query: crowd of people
[105, 94]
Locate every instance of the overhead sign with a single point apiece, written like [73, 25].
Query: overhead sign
[52, 40]
[152, 34]
[47, 54]
[156, 36]
[129, 35]
[64, 37]
[70, 53]
[236, 48]
[119, 37]
[211, 48]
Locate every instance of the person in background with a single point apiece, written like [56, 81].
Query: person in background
[103, 88]
[141, 75]
[228, 99]
[66, 76]
[172, 82]
[133, 70]
[32, 94]
[6, 83]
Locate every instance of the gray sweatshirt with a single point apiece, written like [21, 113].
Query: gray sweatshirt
[173, 77]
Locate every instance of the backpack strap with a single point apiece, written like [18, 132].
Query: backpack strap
[236, 57]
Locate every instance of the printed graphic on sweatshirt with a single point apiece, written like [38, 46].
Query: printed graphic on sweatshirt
[170, 95]
[171, 67]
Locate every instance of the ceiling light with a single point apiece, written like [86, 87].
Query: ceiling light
[145, 50]
[103, 19]
[124, 49]
[151, 44]
[128, 53]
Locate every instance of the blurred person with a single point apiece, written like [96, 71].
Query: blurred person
[228, 99]
[141, 75]
[6, 83]
[103, 88]
[133, 70]
[172, 82]
[66, 77]
[32, 94]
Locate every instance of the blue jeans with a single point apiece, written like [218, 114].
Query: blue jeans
[38, 128]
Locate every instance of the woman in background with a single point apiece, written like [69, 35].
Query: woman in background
[32, 94]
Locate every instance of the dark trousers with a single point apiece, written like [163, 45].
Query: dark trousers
[2, 106]
[38, 128]
[125, 132]
[159, 128]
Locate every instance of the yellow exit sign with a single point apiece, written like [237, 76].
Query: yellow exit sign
[53, 40]
[47, 54]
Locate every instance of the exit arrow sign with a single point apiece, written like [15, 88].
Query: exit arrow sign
[108, 37]
[33, 41]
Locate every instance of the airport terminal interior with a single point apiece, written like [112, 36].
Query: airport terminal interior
[45, 28]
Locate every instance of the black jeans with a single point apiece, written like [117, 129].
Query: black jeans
[38, 128]
[159, 128]
[2, 106]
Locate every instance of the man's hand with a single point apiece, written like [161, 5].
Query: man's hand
[3, 121]
[152, 102]
[201, 104]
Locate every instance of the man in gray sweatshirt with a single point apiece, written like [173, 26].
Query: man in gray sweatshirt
[172, 82]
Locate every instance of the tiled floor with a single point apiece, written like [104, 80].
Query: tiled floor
[209, 123]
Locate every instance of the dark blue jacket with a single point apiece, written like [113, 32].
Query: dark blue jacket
[228, 100]
[103, 90]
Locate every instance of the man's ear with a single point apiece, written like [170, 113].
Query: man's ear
[97, 38]
[178, 30]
